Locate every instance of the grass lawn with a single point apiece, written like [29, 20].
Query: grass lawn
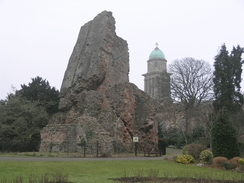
[102, 171]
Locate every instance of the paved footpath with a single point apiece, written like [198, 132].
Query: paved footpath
[170, 153]
[31, 159]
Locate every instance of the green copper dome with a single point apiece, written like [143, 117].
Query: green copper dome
[156, 53]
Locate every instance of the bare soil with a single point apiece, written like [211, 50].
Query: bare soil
[170, 180]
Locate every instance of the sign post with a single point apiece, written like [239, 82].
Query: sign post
[135, 140]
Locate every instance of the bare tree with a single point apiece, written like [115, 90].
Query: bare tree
[191, 80]
[206, 117]
[191, 83]
[173, 118]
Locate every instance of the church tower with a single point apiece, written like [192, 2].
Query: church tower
[157, 80]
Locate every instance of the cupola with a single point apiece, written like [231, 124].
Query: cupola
[156, 54]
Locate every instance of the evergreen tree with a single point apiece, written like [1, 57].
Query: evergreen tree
[20, 123]
[224, 141]
[227, 79]
[40, 91]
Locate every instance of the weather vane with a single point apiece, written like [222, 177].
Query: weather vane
[156, 44]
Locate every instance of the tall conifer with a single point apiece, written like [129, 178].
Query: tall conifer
[228, 100]
[227, 79]
[224, 141]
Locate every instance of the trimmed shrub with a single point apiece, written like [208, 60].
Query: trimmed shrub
[234, 161]
[193, 150]
[184, 159]
[219, 161]
[241, 161]
[206, 156]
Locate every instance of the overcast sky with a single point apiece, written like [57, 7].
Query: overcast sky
[37, 37]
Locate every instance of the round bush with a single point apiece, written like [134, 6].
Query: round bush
[234, 161]
[193, 150]
[206, 156]
[185, 159]
[219, 161]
